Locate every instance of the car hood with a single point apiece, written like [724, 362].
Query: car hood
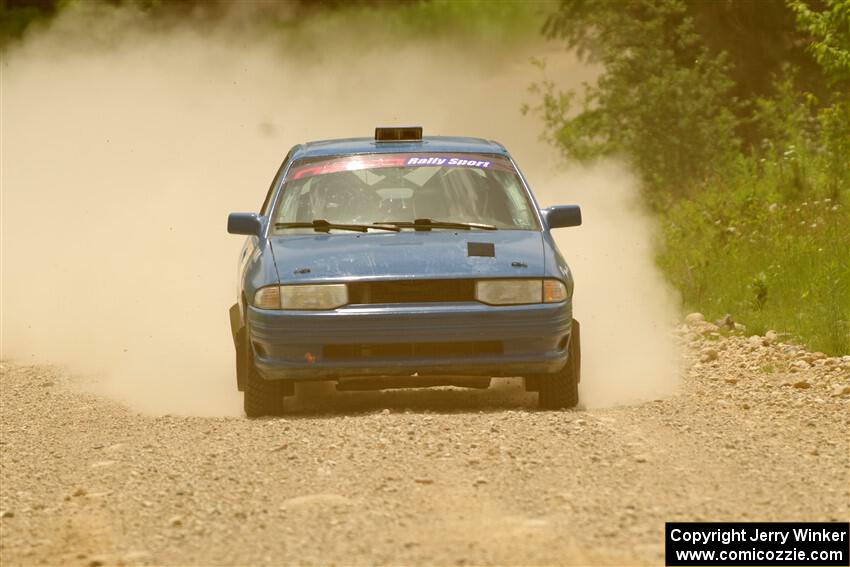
[399, 255]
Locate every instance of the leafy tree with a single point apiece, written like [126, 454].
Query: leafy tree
[830, 45]
[762, 40]
[663, 101]
[830, 30]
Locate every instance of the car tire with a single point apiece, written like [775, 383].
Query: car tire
[261, 397]
[560, 390]
[242, 359]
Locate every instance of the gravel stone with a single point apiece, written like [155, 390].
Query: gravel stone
[692, 318]
[708, 354]
[841, 390]
[314, 500]
[138, 557]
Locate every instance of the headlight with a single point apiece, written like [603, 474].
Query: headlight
[326, 296]
[312, 297]
[520, 292]
[508, 292]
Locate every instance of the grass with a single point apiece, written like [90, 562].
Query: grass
[771, 247]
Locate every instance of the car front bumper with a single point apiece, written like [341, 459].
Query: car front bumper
[445, 339]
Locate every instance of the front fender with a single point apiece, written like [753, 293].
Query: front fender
[260, 271]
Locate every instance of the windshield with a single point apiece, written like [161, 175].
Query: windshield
[361, 190]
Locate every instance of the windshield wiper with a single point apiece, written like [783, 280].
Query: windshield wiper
[321, 225]
[428, 224]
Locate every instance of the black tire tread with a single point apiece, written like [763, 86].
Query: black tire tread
[261, 397]
[560, 390]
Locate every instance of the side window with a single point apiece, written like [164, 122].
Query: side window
[297, 202]
[520, 209]
[264, 210]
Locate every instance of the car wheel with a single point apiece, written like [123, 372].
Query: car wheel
[560, 390]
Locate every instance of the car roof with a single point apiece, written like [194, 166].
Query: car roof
[447, 144]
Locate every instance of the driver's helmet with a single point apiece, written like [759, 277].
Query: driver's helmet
[336, 197]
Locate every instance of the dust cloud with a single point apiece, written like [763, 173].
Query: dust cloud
[123, 150]
[626, 309]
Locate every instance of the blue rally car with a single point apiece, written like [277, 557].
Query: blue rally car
[402, 261]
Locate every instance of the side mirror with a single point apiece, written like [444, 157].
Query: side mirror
[244, 223]
[562, 216]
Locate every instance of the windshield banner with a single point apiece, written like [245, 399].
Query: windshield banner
[377, 161]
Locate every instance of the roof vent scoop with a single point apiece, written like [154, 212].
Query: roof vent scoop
[398, 134]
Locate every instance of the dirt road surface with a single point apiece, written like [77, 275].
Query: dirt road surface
[758, 431]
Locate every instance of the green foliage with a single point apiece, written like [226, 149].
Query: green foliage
[15, 19]
[830, 29]
[760, 38]
[662, 100]
[834, 124]
[830, 45]
[744, 151]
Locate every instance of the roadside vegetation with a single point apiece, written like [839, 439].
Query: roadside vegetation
[736, 116]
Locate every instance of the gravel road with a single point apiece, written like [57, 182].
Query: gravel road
[758, 431]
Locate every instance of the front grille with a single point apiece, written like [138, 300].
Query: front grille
[412, 291]
[407, 350]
